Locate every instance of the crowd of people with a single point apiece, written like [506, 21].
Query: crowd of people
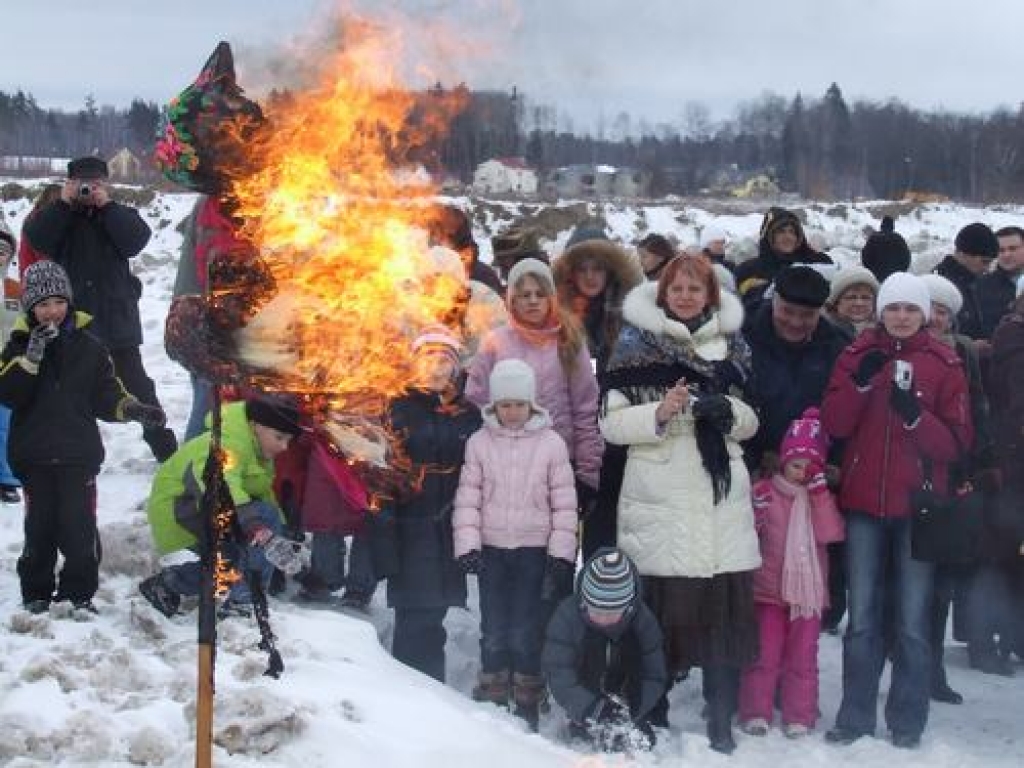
[733, 452]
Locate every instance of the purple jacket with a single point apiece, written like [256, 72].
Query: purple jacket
[570, 400]
[516, 490]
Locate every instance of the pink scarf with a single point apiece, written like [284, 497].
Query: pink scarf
[803, 587]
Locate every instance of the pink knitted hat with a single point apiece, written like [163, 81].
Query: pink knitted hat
[805, 439]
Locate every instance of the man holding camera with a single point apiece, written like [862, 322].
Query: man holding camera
[93, 237]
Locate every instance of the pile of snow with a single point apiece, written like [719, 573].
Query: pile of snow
[118, 689]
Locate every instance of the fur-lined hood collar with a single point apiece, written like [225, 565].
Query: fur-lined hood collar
[641, 310]
[623, 266]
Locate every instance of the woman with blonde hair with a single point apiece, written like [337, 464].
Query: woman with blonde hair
[550, 340]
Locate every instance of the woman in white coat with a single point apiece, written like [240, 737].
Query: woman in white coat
[674, 397]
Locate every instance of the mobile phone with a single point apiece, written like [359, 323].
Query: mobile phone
[904, 374]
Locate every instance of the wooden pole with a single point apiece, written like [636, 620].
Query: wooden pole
[204, 708]
[211, 510]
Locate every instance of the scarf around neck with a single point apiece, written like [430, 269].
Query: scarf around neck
[803, 586]
[644, 365]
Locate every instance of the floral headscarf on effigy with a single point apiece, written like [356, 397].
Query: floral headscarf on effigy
[207, 127]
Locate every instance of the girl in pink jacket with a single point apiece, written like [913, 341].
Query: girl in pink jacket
[514, 520]
[796, 516]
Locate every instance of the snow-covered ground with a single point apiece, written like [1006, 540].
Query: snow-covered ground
[118, 689]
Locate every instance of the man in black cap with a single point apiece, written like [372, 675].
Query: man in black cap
[995, 291]
[93, 237]
[793, 350]
[976, 248]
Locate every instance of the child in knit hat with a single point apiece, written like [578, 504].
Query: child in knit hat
[9, 313]
[796, 517]
[515, 520]
[57, 379]
[604, 657]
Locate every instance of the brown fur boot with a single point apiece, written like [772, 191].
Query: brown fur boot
[493, 687]
[528, 691]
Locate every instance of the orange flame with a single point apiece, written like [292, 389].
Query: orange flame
[342, 230]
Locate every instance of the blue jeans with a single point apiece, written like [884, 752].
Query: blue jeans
[510, 583]
[6, 476]
[869, 540]
[186, 578]
[201, 398]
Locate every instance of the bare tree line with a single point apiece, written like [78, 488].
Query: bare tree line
[821, 148]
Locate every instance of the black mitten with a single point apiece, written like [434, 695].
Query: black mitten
[904, 402]
[868, 367]
[471, 562]
[714, 409]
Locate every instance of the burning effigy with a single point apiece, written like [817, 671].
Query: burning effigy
[329, 271]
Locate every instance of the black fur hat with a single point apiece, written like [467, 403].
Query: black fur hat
[885, 251]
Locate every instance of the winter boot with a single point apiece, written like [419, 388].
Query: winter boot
[160, 596]
[493, 687]
[720, 681]
[527, 692]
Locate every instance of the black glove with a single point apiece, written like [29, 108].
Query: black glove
[728, 374]
[558, 575]
[586, 498]
[868, 367]
[714, 409]
[904, 402]
[471, 562]
[38, 338]
[609, 710]
[149, 416]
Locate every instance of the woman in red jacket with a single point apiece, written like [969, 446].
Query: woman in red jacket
[899, 399]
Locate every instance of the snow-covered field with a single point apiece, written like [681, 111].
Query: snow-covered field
[118, 690]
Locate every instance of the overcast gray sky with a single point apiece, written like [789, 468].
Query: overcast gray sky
[586, 57]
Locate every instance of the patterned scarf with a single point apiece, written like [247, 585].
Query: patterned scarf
[644, 365]
[803, 587]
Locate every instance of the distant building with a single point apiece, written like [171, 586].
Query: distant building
[503, 176]
[596, 181]
[23, 165]
[124, 165]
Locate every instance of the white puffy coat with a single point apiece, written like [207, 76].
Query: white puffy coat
[668, 522]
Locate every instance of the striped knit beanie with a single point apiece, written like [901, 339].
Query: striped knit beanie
[608, 582]
[44, 280]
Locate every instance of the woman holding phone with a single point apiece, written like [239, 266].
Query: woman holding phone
[898, 397]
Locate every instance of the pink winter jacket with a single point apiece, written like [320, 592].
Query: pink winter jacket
[771, 516]
[570, 400]
[516, 490]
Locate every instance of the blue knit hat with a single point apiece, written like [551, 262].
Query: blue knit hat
[609, 582]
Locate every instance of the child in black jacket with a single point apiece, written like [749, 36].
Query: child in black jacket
[57, 379]
[603, 656]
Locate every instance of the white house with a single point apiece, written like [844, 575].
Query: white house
[505, 175]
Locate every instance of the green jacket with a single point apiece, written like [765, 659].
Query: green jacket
[173, 507]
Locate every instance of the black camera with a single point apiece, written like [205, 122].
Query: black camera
[84, 190]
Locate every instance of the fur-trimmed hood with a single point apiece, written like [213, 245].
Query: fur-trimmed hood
[640, 309]
[602, 319]
[622, 264]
